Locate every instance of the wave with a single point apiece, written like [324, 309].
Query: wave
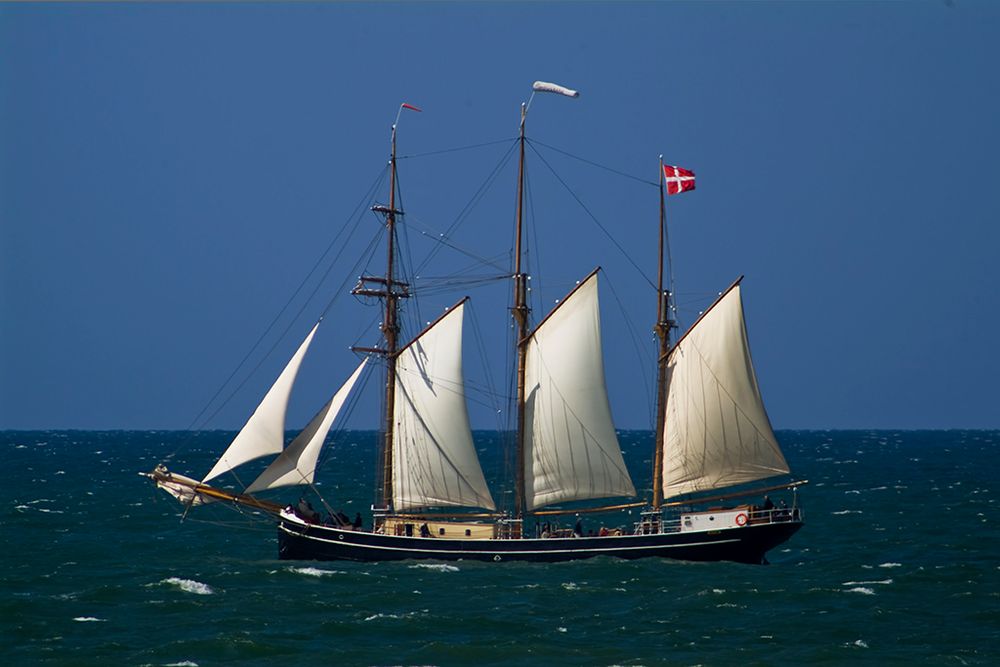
[315, 571]
[189, 586]
[440, 567]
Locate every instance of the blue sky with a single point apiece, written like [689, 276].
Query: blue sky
[170, 173]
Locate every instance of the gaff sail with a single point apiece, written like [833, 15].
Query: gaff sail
[571, 449]
[434, 461]
[717, 433]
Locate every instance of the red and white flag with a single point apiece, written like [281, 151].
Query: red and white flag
[678, 179]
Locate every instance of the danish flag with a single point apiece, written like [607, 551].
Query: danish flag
[678, 179]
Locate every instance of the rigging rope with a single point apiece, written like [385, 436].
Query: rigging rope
[646, 362]
[473, 201]
[594, 218]
[377, 182]
[595, 164]
[453, 150]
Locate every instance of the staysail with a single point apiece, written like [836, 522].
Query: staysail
[571, 450]
[717, 433]
[434, 462]
[297, 463]
[264, 432]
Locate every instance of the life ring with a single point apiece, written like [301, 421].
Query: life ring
[741, 519]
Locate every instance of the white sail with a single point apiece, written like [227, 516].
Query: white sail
[717, 433]
[264, 432]
[571, 450]
[297, 464]
[434, 462]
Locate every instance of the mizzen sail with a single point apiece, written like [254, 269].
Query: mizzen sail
[297, 464]
[264, 432]
[717, 433]
[572, 452]
[434, 462]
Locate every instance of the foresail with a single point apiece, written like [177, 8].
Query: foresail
[297, 464]
[717, 433]
[434, 462]
[264, 432]
[571, 450]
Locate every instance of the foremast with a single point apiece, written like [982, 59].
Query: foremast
[391, 290]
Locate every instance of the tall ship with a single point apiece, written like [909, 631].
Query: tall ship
[713, 442]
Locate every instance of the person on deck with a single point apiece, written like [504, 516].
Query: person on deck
[358, 523]
[306, 511]
[425, 531]
[578, 528]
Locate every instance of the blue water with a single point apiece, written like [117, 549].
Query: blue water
[898, 564]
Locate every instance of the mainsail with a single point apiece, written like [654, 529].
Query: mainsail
[297, 464]
[571, 450]
[264, 432]
[434, 462]
[717, 433]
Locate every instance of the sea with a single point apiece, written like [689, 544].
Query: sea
[898, 564]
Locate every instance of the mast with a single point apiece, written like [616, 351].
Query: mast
[390, 329]
[392, 291]
[520, 311]
[664, 323]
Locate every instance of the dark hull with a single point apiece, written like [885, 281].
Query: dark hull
[747, 544]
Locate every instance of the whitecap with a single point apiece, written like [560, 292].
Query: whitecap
[440, 567]
[571, 586]
[859, 583]
[861, 589]
[861, 643]
[890, 565]
[842, 512]
[314, 571]
[90, 619]
[375, 616]
[561, 629]
[189, 586]
[182, 663]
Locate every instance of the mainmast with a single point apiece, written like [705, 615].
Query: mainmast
[520, 311]
[520, 308]
[388, 288]
[664, 323]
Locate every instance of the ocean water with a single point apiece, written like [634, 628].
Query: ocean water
[897, 564]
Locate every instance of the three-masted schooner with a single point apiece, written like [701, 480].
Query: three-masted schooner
[712, 433]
